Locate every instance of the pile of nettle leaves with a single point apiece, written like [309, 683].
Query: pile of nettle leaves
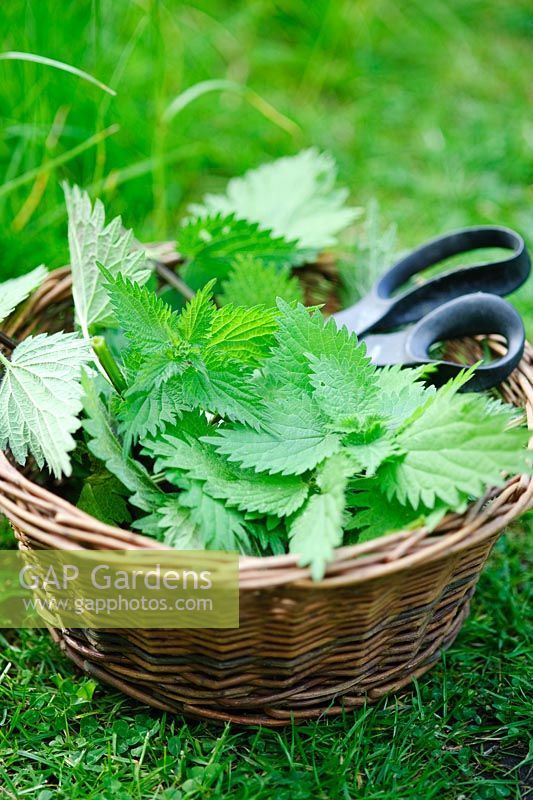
[250, 423]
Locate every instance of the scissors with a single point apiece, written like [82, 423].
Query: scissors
[461, 302]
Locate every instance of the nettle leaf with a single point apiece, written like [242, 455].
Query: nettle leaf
[196, 319]
[106, 446]
[104, 497]
[179, 529]
[251, 282]
[40, 399]
[267, 494]
[216, 336]
[152, 399]
[454, 449]
[375, 515]
[219, 528]
[401, 392]
[148, 322]
[211, 243]
[172, 524]
[154, 371]
[295, 439]
[91, 241]
[294, 196]
[178, 455]
[315, 356]
[147, 412]
[211, 370]
[368, 450]
[318, 529]
[14, 291]
[242, 334]
[228, 393]
[304, 334]
[344, 382]
[244, 489]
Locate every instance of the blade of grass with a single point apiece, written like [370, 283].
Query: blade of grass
[34, 198]
[13, 55]
[29, 176]
[160, 128]
[117, 177]
[222, 85]
[105, 102]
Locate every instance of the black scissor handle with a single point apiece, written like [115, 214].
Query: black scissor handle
[470, 315]
[499, 277]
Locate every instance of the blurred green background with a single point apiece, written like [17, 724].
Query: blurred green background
[426, 105]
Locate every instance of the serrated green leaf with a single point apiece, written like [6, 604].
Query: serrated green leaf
[211, 243]
[303, 335]
[241, 334]
[369, 450]
[375, 515]
[453, 450]
[40, 399]
[401, 393]
[251, 282]
[195, 320]
[295, 440]
[176, 374]
[300, 331]
[318, 529]
[104, 497]
[172, 524]
[14, 291]
[105, 445]
[152, 371]
[219, 528]
[334, 471]
[91, 241]
[178, 454]
[146, 412]
[272, 494]
[344, 382]
[147, 321]
[152, 400]
[294, 196]
[240, 488]
[227, 393]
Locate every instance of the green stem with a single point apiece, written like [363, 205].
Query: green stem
[108, 363]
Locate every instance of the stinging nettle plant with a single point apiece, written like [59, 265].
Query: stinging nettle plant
[241, 420]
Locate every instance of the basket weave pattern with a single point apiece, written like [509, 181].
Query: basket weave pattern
[381, 616]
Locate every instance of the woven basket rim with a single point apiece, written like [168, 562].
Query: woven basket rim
[53, 520]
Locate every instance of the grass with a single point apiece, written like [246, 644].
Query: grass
[425, 107]
[461, 732]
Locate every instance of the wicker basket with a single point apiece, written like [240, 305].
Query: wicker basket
[382, 615]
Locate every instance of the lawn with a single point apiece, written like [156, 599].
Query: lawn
[426, 106]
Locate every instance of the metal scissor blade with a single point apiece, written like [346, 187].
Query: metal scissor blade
[385, 349]
[362, 315]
